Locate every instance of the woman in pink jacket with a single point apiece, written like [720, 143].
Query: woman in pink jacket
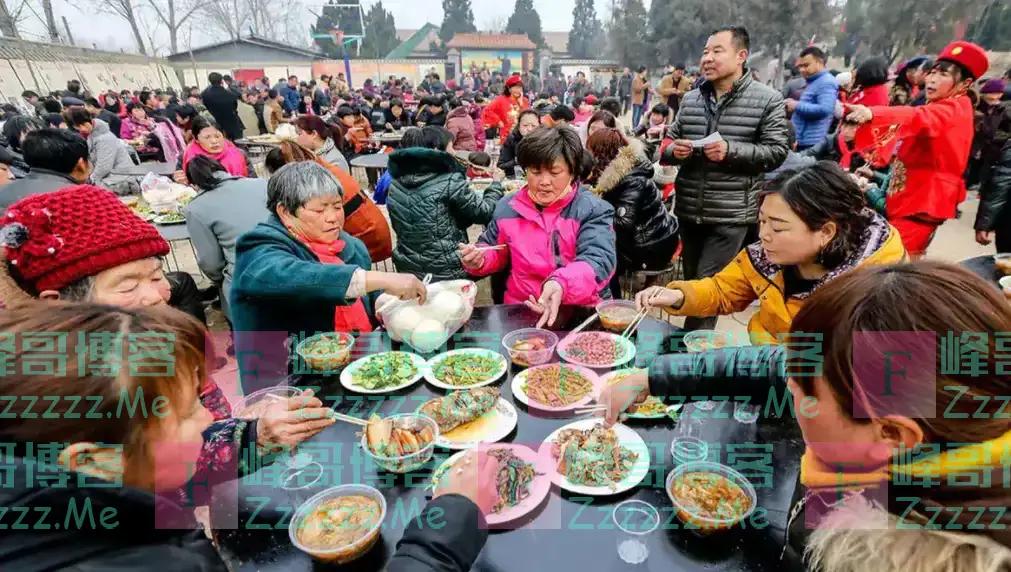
[559, 236]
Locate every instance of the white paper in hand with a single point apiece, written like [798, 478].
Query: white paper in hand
[715, 137]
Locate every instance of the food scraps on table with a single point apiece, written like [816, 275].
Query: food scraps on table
[595, 348]
[390, 438]
[339, 522]
[710, 495]
[460, 407]
[513, 480]
[384, 370]
[556, 385]
[592, 457]
[466, 369]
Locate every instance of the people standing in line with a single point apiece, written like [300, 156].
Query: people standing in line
[640, 94]
[625, 90]
[673, 87]
[814, 112]
[223, 103]
[934, 141]
[717, 204]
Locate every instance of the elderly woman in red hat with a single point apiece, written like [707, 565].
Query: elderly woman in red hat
[933, 144]
[503, 111]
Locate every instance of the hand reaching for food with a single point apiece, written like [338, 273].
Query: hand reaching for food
[618, 398]
[474, 476]
[471, 256]
[547, 304]
[290, 421]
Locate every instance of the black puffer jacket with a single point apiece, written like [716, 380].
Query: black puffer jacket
[995, 193]
[752, 119]
[507, 156]
[431, 205]
[647, 234]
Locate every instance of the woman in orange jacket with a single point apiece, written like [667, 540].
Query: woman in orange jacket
[814, 224]
[502, 112]
[934, 142]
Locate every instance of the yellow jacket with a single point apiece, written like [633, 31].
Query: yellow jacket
[752, 277]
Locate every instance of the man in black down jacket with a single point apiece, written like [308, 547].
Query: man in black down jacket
[717, 200]
[223, 104]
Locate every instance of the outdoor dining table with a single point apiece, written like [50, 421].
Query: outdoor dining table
[568, 532]
[984, 267]
[162, 169]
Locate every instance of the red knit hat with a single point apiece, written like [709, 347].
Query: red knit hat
[968, 55]
[591, 99]
[55, 239]
[514, 80]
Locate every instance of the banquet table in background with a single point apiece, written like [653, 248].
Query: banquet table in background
[139, 171]
[567, 532]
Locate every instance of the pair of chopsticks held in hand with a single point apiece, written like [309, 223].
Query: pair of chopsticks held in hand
[632, 327]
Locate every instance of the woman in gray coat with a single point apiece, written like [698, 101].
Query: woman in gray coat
[225, 209]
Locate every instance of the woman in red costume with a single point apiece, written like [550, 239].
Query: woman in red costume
[503, 111]
[931, 144]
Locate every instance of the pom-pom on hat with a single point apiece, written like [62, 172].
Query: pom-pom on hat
[968, 55]
[54, 239]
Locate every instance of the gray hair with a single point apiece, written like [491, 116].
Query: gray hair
[295, 184]
[79, 290]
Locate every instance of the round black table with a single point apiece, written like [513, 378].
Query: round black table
[162, 169]
[373, 161]
[568, 532]
[984, 267]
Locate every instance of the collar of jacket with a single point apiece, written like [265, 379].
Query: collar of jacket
[49, 173]
[741, 84]
[420, 162]
[629, 157]
[815, 77]
[873, 238]
[528, 209]
[461, 111]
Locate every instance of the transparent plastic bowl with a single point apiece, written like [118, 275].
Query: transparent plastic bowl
[340, 554]
[686, 449]
[617, 315]
[412, 461]
[527, 358]
[326, 362]
[701, 524]
[702, 340]
[1003, 263]
[255, 404]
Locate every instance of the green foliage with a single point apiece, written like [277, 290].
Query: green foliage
[380, 32]
[629, 34]
[993, 29]
[526, 20]
[332, 18]
[585, 35]
[458, 18]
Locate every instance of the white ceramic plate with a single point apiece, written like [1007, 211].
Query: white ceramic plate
[489, 354]
[348, 381]
[607, 380]
[521, 395]
[626, 438]
[491, 427]
[575, 359]
[164, 219]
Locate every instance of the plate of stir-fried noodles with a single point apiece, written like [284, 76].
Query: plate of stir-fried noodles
[523, 481]
[556, 387]
[591, 460]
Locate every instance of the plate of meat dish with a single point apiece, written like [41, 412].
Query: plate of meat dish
[523, 482]
[592, 460]
[556, 387]
[471, 417]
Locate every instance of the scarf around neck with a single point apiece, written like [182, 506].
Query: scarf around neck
[230, 157]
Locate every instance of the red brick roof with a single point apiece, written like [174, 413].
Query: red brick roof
[490, 41]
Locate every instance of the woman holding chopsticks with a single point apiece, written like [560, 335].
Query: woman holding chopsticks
[814, 224]
[556, 236]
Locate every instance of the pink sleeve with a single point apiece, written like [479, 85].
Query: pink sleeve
[494, 261]
[579, 283]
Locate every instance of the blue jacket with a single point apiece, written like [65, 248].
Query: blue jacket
[280, 287]
[291, 98]
[814, 113]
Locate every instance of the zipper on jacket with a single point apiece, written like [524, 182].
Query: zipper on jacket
[794, 513]
[556, 249]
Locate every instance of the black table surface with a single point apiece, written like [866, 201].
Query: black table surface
[568, 531]
[984, 267]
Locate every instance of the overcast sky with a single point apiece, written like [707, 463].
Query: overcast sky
[110, 32]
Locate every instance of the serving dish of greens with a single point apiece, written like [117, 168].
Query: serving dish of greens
[466, 368]
[170, 218]
[384, 372]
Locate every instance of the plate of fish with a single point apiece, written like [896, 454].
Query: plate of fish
[466, 368]
[471, 417]
[556, 387]
[591, 460]
[523, 482]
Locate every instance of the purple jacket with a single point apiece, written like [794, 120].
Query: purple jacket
[571, 242]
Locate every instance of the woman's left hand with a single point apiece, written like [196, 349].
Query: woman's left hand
[860, 114]
[548, 304]
[293, 420]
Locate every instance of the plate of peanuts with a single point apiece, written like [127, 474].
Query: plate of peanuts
[597, 350]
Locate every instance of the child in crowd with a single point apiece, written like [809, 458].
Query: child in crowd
[480, 166]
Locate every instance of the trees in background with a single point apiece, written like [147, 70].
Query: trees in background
[380, 32]
[993, 29]
[628, 34]
[457, 18]
[526, 20]
[585, 35]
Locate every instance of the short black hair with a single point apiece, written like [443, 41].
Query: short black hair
[546, 145]
[74, 86]
[201, 172]
[871, 72]
[52, 119]
[345, 110]
[272, 94]
[186, 111]
[679, 67]
[427, 137]
[214, 78]
[435, 76]
[92, 102]
[77, 116]
[134, 105]
[144, 96]
[28, 94]
[611, 104]
[228, 78]
[479, 159]
[16, 126]
[293, 77]
[55, 149]
[813, 51]
[200, 123]
[739, 36]
[52, 106]
[562, 113]
[641, 69]
[661, 109]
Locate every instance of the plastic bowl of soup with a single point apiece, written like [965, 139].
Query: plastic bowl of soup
[339, 524]
[704, 340]
[709, 497]
[530, 346]
[1003, 263]
[254, 405]
[326, 352]
[617, 315]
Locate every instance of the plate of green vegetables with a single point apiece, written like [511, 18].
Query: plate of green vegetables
[466, 368]
[384, 372]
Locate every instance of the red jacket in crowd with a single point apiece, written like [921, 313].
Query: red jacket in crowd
[871, 97]
[502, 112]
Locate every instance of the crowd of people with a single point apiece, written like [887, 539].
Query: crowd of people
[813, 202]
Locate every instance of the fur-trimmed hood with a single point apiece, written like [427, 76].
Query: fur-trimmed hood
[853, 538]
[629, 158]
